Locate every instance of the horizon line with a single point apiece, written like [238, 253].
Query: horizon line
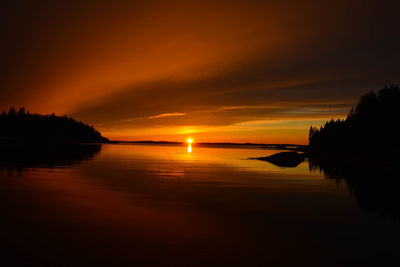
[206, 143]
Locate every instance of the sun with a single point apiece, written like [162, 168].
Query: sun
[189, 140]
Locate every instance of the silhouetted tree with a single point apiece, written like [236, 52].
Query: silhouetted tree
[21, 111]
[28, 127]
[12, 112]
[373, 122]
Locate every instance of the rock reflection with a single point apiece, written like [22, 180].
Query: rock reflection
[22, 158]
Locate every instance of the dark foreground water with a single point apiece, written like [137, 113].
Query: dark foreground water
[146, 205]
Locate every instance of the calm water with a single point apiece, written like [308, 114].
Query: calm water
[161, 205]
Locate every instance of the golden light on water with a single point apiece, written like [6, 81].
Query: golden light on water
[189, 141]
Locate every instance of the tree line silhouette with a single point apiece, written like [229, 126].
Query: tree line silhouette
[361, 151]
[23, 126]
[373, 124]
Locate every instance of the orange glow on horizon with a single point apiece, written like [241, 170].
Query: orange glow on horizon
[283, 131]
[215, 72]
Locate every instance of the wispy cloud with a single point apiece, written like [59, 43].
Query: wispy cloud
[233, 107]
[162, 115]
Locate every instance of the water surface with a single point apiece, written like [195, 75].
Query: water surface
[163, 205]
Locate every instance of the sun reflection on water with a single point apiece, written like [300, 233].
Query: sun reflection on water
[189, 141]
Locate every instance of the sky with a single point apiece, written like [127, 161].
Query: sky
[217, 71]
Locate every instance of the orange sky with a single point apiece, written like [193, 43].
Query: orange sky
[237, 71]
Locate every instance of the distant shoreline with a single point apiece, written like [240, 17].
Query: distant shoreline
[218, 144]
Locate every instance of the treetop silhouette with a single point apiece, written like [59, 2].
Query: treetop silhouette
[373, 123]
[22, 126]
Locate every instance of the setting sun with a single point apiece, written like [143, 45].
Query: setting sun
[292, 104]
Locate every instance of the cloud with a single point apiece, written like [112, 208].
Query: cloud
[162, 115]
[218, 63]
[233, 107]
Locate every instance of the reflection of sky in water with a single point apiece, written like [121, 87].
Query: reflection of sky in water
[132, 202]
[192, 155]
